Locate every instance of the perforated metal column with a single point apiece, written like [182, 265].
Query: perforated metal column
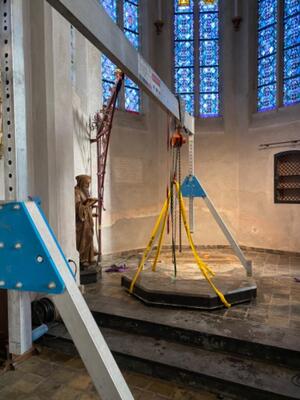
[8, 109]
[15, 149]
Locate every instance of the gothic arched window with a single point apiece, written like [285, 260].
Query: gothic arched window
[196, 56]
[126, 14]
[291, 52]
[278, 77]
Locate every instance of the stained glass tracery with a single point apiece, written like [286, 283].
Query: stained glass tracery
[291, 71]
[274, 61]
[131, 31]
[108, 68]
[209, 59]
[202, 72]
[184, 53]
[267, 55]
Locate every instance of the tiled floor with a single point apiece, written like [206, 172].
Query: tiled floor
[55, 376]
[278, 294]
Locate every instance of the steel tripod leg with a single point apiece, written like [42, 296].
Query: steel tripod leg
[90, 343]
[235, 247]
[80, 323]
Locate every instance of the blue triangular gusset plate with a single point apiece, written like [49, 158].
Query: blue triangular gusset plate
[25, 261]
[191, 187]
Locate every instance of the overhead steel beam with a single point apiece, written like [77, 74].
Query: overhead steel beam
[92, 21]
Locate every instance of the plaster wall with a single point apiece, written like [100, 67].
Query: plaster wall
[216, 155]
[86, 100]
[64, 97]
[238, 177]
[52, 121]
[227, 159]
[133, 168]
[262, 223]
[133, 181]
[130, 203]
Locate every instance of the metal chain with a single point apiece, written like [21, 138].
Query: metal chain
[175, 198]
[173, 209]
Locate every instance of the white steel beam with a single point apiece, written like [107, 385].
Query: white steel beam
[247, 264]
[92, 21]
[191, 171]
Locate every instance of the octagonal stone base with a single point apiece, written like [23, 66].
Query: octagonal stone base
[155, 288]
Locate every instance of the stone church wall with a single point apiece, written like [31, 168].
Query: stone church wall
[239, 177]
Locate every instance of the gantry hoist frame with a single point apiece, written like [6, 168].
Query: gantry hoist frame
[91, 20]
[109, 39]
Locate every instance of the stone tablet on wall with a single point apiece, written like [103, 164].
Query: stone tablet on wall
[127, 170]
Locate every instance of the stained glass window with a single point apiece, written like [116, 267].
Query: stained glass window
[267, 55]
[131, 30]
[108, 68]
[130, 27]
[209, 59]
[274, 61]
[110, 7]
[184, 53]
[291, 52]
[193, 71]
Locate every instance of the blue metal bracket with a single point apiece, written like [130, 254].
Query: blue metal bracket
[191, 187]
[25, 261]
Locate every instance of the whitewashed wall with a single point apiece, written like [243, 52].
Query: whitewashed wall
[237, 175]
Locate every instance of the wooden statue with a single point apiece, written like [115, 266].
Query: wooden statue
[84, 221]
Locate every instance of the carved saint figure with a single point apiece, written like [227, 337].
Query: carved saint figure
[84, 220]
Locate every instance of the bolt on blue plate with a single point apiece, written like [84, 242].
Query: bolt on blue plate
[25, 261]
[191, 187]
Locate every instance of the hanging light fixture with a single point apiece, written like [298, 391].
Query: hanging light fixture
[159, 23]
[183, 3]
[186, 3]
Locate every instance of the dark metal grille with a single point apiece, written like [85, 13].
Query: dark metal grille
[287, 177]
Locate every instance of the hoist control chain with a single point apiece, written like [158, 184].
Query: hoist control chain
[175, 175]
[173, 208]
[180, 218]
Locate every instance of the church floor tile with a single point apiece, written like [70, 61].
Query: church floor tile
[278, 293]
[68, 380]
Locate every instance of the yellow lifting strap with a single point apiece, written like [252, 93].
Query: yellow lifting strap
[161, 236]
[207, 272]
[162, 214]
[202, 266]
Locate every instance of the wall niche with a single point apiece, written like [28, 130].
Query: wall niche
[287, 177]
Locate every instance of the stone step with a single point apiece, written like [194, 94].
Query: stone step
[244, 338]
[219, 372]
